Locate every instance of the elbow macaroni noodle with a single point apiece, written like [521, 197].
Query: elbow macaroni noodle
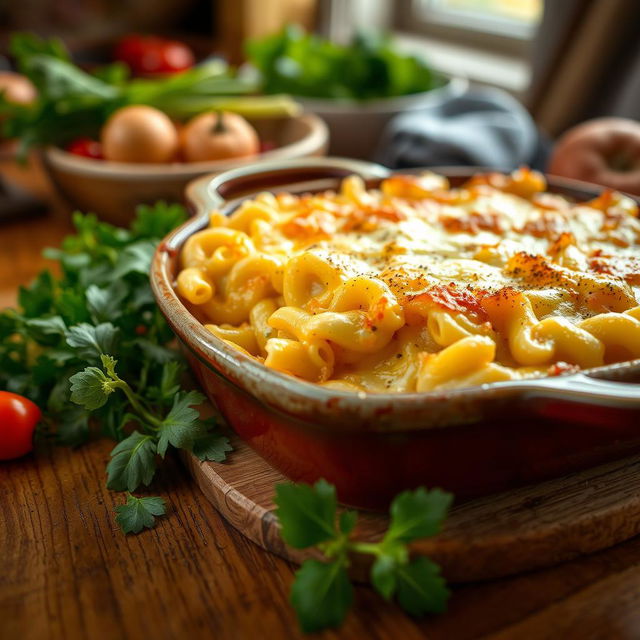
[417, 286]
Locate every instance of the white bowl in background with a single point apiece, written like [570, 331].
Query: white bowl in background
[355, 127]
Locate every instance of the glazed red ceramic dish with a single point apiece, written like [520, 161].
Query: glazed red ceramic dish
[371, 446]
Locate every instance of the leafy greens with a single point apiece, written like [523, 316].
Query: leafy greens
[303, 64]
[59, 350]
[72, 102]
[322, 593]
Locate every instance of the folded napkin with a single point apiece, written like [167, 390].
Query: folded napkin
[482, 127]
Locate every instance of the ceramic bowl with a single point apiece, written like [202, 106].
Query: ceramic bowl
[355, 128]
[113, 189]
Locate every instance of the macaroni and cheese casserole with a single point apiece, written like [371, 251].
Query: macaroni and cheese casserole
[417, 286]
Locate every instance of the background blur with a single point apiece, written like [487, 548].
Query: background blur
[566, 61]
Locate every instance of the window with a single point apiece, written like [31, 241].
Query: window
[500, 25]
[485, 41]
[517, 17]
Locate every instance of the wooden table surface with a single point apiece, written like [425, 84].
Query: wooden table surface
[67, 573]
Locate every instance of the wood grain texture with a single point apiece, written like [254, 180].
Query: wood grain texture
[66, 573]
[492, 537]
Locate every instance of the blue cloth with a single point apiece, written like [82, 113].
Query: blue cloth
[482, 127]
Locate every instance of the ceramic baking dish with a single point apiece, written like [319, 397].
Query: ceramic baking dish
[470, 441]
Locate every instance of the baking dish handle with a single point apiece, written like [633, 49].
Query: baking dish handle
[583, 389]
[280, 173]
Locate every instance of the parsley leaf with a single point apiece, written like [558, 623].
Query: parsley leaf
[155, 352]
[321, 594]
[132, 463]
[182, 424]
[109, 363]
[58, 347]
[211, 446]
[105, 303]
[383, 576]
[45, 329]
[23, 45]
[169, 382]
[36, 300]
[136, 258]
[73, 427]
[142, 296]
[421, 588]
[91, 388]
[348, 521]
[70, 304]
[306, 514]
[157, 221]
[90, 341]
[417, 514]
[139, 513]
[113, 419]
[418, 585]
[45, 370]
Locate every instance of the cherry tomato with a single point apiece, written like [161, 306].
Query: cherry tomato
[18, 419]
[86, 147]
[151, 54]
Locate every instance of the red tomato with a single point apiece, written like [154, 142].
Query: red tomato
[18, 419]
[86, 147]
[151, 54]
[128, 49]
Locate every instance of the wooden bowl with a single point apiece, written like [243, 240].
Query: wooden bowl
[112, 190]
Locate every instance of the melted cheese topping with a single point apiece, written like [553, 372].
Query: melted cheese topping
[437, 248]
[471, 242]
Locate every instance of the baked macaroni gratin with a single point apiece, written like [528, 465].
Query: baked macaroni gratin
[417, 286]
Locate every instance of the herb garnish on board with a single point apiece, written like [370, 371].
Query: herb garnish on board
[322, 592]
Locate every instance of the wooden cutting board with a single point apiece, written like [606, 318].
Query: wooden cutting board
[490, 537]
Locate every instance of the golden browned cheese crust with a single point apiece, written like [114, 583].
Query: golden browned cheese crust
[417, 286]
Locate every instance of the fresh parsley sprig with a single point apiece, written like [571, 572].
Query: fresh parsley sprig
[60, 348]
[133, 461]
[322, 592]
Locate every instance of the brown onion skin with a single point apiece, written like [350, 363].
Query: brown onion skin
[203, 138]
[17, 88]
[605, 151]
[139, 134]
